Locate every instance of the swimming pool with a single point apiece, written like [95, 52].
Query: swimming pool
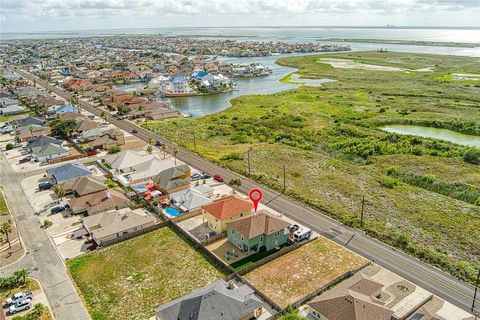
[172, 212]
[140, 188]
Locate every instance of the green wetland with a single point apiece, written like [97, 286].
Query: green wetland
[422, 195]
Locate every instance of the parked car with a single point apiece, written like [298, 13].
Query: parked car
[20, 306]
[302, 234]
[206, 176]
[25, 160]
[293, 228]
[103, 124]
[92, 153]
[57, 209]
[18, 297]
[159, 143]
[134, 131]
[196, 176]
[218, 178]
[45, 186]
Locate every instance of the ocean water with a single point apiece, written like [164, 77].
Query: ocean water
[289, 34]
[203, 105]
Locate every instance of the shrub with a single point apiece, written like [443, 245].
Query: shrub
[114, 149]
[9, 146]
[403, 240]
[392, 170]
[472, 156]
[232, 156]
[388, 182]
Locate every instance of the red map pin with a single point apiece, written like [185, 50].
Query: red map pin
[255, 195]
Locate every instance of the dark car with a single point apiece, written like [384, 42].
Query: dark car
[293, 228]
[159, 143]
[206, 176]
[25, 160]
[45, 186]
[57, 209]
[218, 178]
[196, 176]
[134, 131]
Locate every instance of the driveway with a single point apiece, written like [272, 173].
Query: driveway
[41, 258]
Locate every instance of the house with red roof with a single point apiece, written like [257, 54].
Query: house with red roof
[223, 211]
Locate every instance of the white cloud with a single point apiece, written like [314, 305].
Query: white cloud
[20, 14]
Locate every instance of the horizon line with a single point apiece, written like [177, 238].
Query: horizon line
[245, 27]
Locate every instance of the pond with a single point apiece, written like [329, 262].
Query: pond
[441, 134]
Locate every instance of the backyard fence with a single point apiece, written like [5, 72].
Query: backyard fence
[186, 216]
[315, 293]
[185, 235]
[67, 158]
[216, 237]
[133, 234]
[274, 256]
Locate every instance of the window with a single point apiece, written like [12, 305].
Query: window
[241, 214]
[277, 233]
[261, 238]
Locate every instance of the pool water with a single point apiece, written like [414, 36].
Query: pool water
[172, 212]
[140, 188]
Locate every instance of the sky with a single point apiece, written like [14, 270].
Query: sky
[62, 15]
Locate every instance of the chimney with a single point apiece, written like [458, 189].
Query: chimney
[231, 285]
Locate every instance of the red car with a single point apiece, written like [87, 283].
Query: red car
[218, 178]
[134, 131]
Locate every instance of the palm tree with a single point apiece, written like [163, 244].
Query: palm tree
[38, 309]
[6, 229]
[30, 128]
[174, 153]
[164, 150]
[235, 183]
[22, 275]
[59, 192]
[15, 126]
[43, 111]
[150, 141]
[104, 116]
[149, 149]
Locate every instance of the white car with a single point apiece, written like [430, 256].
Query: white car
[20, 306]
[18, 297]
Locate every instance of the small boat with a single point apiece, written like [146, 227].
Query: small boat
[186, 115]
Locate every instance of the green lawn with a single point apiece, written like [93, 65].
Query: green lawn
[128, 280]
[3, 204]
[335, 154]
[251, 259]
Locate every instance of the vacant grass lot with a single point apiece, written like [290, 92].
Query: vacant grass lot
[128, 280]
[329, 139]
[298, 273]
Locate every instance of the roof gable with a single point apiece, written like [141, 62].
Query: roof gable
[227, 207]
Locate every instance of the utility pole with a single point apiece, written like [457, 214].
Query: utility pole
[284, 177]
[361, 215]
[248, 159]
[194, 141]
[476, 289]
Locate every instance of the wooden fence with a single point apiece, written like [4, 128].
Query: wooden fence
[133, 234]
[274, 256]
[320, 290]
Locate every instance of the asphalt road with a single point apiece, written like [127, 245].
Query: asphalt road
[430, 278]
[41, 258]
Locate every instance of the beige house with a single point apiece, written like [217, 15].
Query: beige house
[375, 293]
[107, 139]
[222, 211]
[116, 223]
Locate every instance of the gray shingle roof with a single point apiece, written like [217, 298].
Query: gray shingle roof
[42, 140]
[68, 171]
[212, 302]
